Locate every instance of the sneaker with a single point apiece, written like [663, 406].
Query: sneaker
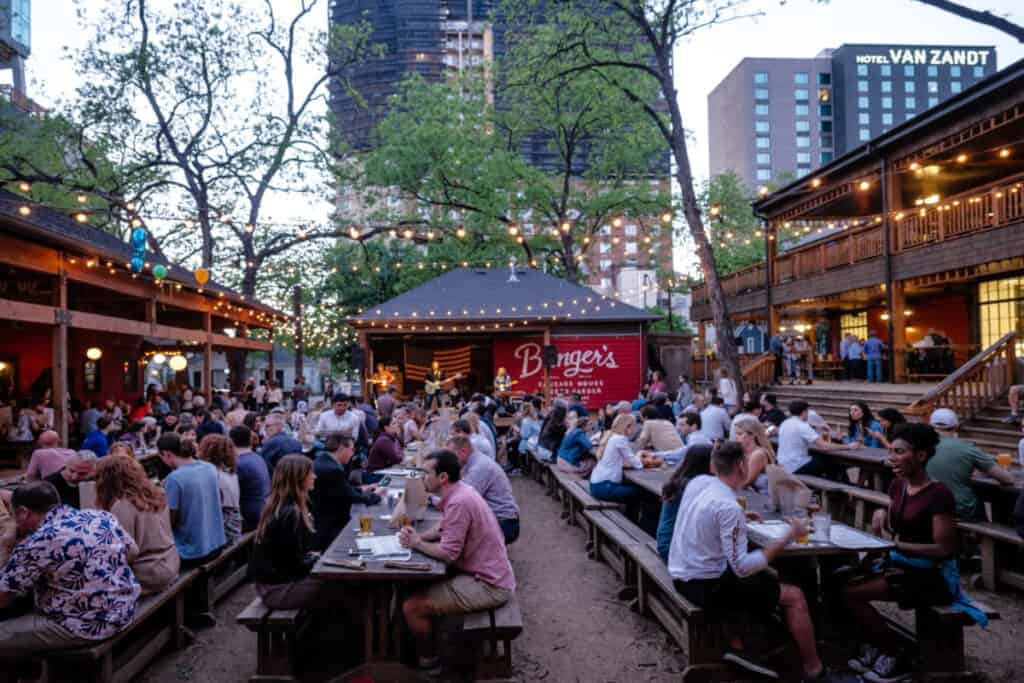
[889, 670]
[865, 661]
[745, 661]
[1011, 419]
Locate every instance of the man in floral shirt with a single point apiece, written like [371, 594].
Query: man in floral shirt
[76, 563]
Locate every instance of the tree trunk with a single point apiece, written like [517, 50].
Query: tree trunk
[724, 334]
[238, 357]
[572, 271]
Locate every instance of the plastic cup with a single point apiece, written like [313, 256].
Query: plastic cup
[1004, 459]
[365, 525]
[822, 527]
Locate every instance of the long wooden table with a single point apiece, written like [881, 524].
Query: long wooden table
[381, 587]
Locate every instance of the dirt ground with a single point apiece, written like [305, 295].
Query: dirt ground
[575, 628]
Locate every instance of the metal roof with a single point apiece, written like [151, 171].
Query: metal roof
[478, 294]
[56, 229]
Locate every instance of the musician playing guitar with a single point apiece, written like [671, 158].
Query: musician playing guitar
[434, 382]
[382, 379]
[503, 382]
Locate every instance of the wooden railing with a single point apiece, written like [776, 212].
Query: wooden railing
[757, 368]
[760, 370]
[979, 209]
[976, 385]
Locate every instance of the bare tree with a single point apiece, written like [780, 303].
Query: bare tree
[984, 17]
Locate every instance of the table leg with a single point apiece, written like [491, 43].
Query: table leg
[879, 481]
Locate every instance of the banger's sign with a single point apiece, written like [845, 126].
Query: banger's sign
[600, 369]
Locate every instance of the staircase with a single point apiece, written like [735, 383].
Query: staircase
[832, 400]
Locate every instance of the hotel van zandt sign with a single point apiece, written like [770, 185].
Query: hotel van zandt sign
[600, 369]
[928, 56]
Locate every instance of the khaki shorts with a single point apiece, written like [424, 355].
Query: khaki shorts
[462, 594]
[34, 633]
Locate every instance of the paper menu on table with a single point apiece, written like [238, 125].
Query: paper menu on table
[769, 529]
[380, 546]
[847, 537]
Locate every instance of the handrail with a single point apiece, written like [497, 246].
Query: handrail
[975, 385]
[760, 370]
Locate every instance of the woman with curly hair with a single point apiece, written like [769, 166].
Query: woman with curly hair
[218, 450]
[123, 489]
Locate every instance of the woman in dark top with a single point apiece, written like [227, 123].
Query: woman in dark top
[888, 418]
[921, 570]
[385, 451]
[696, 463]
[283, 557]
[553, 431]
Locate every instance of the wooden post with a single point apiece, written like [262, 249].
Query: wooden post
[898, 329]
[300, 343]
[59, 389]
[208, 358]
[270, 362]
[367, 388]
[547, 371]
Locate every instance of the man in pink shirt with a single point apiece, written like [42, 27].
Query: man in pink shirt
[468, 539]
[48, 458]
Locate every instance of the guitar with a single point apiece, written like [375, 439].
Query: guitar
[432, 387]
[504, 386]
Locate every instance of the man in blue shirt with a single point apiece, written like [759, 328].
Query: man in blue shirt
[193, 498]
[96, 440]
[640, 401]
[253, 477]
[873, 348]
[853, 358]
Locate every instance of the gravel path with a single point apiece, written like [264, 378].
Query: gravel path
[575, 628]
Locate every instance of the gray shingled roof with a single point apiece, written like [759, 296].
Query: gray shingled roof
[473, 294]
[57, 229]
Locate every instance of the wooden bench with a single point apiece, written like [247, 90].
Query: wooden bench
[863, 501]
[834, 495]
[938, 638]
[159, 623]
[493, 631]
[277, 635]
[579, 499]
[611, 541]
[992, 537]
[221, 575]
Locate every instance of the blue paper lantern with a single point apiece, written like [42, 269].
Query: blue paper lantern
[137, 262]
[139, 238]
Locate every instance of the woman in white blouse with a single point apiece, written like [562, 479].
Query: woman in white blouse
[757, 450]
[727, 390]
[614, 455]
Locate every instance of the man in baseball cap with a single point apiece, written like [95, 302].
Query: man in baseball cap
[955, 461]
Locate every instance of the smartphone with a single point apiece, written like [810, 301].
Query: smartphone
[384, 482]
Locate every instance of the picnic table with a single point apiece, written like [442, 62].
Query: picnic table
[381, 582]
[874, 460]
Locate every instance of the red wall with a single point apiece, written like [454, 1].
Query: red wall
[31, 347]
[946, 314]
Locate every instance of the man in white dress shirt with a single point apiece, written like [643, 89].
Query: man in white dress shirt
[715, 420]
[712, 567]
[340, 419]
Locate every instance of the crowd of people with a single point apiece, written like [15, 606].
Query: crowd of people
[291, 475]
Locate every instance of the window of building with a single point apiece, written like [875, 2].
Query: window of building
[887, 118]
[864, 134]
[909, 115]
[760, 77]
[801, 171]
[909, 86]
[760, 93]
[862, 69]
[933, 101]
[826, 140]
[887, 70]
[803, 157]
[761, 109]
[824, 110]
[802, 110]
[908, 70]
[630, 230]
[630, 247]
[910, 103]
[801, 78]
[955, 87]
[764, 159]
[803, 140]
[933, 87]
[606, 264]
[763, 143]
[803, 126]
[855, 324]
[825, 126]
[886, 86]
[826, 157]
[605, 247]
[764, 174]
[979, 72]
[801, 94]
[886, 103]
[933, 72]
[824, 79]
[1000, 309]
[862, 86]
[606, 283]
[761, 126]
[864, 118]
[954, 71]
[862, 102]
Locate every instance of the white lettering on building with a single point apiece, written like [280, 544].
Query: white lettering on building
[573, 363]
[928, 56]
